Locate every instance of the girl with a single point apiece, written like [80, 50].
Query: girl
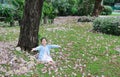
[44, 51]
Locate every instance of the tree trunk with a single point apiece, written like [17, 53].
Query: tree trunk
[20, 22]
[97, 8]
[28, 37]
[45, 19]
[12, 23]
[52, 21]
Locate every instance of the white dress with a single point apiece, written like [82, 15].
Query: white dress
[46, 58]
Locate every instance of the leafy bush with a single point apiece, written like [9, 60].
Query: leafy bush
[107, 10]
[48, 10]
[86, 8]
[19, 11]
[11, 10]
[108, 2]
[73, 11]
[66, 7]
[73, 7]
[107, 25]
[86, 19]
[62, 6]
[7, 12]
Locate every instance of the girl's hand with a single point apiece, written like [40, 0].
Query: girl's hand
[33, 49]
[59, 46]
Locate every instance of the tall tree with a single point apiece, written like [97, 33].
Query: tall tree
[28, 37]
[97, 7]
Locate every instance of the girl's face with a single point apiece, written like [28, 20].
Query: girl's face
[44, 42]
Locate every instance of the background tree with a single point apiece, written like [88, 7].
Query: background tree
[28, 37]
[97, 7]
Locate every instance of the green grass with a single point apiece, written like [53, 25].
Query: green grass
[115, 14]
[94, 51]
[9, 33]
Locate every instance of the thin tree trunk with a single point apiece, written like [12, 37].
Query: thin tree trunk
[52, 21]
[28, 37]
[97, 8]
[45, 19]
[12, 23]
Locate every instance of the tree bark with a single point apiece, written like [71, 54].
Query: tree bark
[28, 37]
[97, 8]
[12, 23]
[45, 19]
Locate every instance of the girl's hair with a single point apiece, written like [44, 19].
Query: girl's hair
[43, 38]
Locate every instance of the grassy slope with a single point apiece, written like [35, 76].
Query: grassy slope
[94, 52]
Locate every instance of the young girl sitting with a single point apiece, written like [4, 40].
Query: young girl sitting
[44, 51]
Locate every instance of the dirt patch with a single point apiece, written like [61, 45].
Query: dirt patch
[66, 19]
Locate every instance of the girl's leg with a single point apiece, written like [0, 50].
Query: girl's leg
[51, 62]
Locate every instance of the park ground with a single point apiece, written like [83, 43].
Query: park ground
[84, 53]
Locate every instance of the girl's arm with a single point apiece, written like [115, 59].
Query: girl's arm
[54, 46]
[35, 49]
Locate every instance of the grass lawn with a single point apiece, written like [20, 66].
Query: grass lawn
[83, 54]
[115, 14]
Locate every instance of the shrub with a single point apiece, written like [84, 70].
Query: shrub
[62, 6]
[107, 10]
[6, 11]
[73, 11]
[86, 8]
[86, 19]
[108, 2]
[73, 7]
[11, 10]
[19, 10]
[107, 25]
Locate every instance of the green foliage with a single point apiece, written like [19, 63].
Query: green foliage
[48, 10]
[107, 25]
[11, 10]
[107, 10]
[66, 7]
[7, 11]
[86, 7]
[73, 7]
[62, 6]
[108, 1]
[73, 10]
[19, 12]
